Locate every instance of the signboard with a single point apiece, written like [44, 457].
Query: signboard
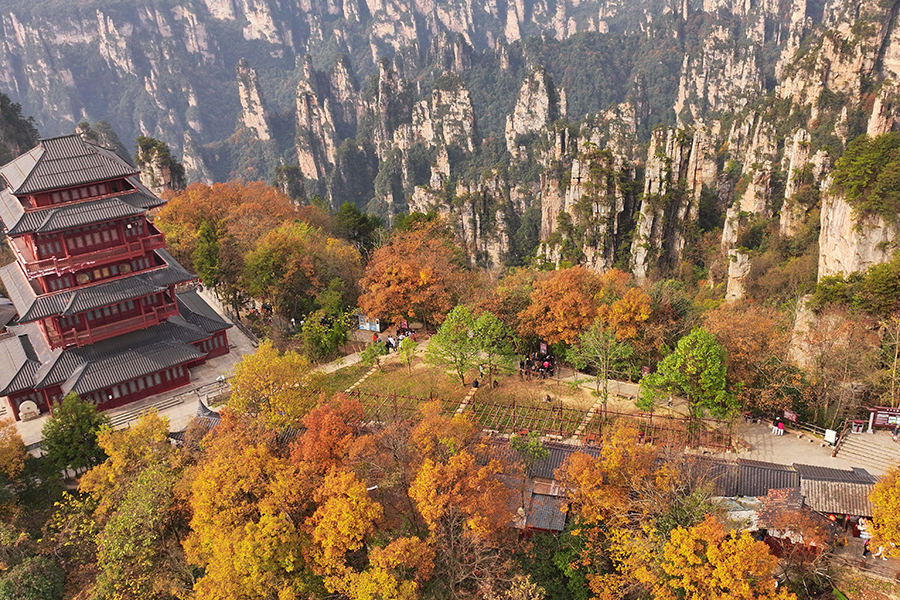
[366, 324]
[790, 415]
[543, 347]
[645, 371]
[885, 416]
[830, 436]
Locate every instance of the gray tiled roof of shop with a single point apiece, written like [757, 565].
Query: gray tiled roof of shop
[61, 162]
[838, 497]
[32, 307]
[745, 477]
[546, 513]
[558, 454]
[828, 474]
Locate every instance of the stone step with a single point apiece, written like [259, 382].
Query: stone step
[124, 418]
[870, 452]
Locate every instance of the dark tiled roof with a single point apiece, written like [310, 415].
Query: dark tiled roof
[7, 312]
[546, 513]
[747, 478]
[838, 497]
[99, 365]
[17, 363]
[65, 216]
[135, 362]
[197, 312]
[857, 475]
[32, 307]
[558, 454]
[61, 218]
[63, 162]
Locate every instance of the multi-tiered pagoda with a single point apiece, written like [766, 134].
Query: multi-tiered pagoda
[92, 284]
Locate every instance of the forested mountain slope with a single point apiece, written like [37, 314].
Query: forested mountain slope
[640, 134]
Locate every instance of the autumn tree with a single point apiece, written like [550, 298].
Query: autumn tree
[803, 547]
[755, 344]
[272, 385]
[138, 551]
[466, 508]
[12, 452]
[602, 487]
[248, 509]
[625, 316]
[563, 304]
[329, 433]
[419, 273]
[293, 264]
[509, 297]
[245, 211]
[885, 498]
[696, 370]
[838, 348]
[70, 434]
[705, 562]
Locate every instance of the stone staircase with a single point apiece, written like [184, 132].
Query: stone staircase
[877, 453]
[124, 418]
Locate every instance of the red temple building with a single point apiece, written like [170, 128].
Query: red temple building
[92, 284]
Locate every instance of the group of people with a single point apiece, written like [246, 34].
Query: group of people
[778, 426]
[537, 364]
[393, 344]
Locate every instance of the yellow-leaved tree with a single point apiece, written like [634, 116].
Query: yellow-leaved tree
[273, 386]
[706, 562]
[248, 507]
[885, 498]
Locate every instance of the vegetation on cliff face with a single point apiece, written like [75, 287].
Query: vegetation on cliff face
[868, 174]
[17, 133]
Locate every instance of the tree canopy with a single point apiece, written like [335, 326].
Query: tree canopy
[696, 370]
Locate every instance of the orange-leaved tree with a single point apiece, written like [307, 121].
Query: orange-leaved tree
[626, 315]
[245, 211]
[563, 304]
[602, 487]
[419, 273]
[330, 429]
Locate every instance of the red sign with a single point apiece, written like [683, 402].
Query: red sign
[645, 370]
[790, 415]
[885, 416]
[543, 347]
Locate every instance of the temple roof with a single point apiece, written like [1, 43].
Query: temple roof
[63, 162]
[75, 214]
[27, 361]
[33, 306]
